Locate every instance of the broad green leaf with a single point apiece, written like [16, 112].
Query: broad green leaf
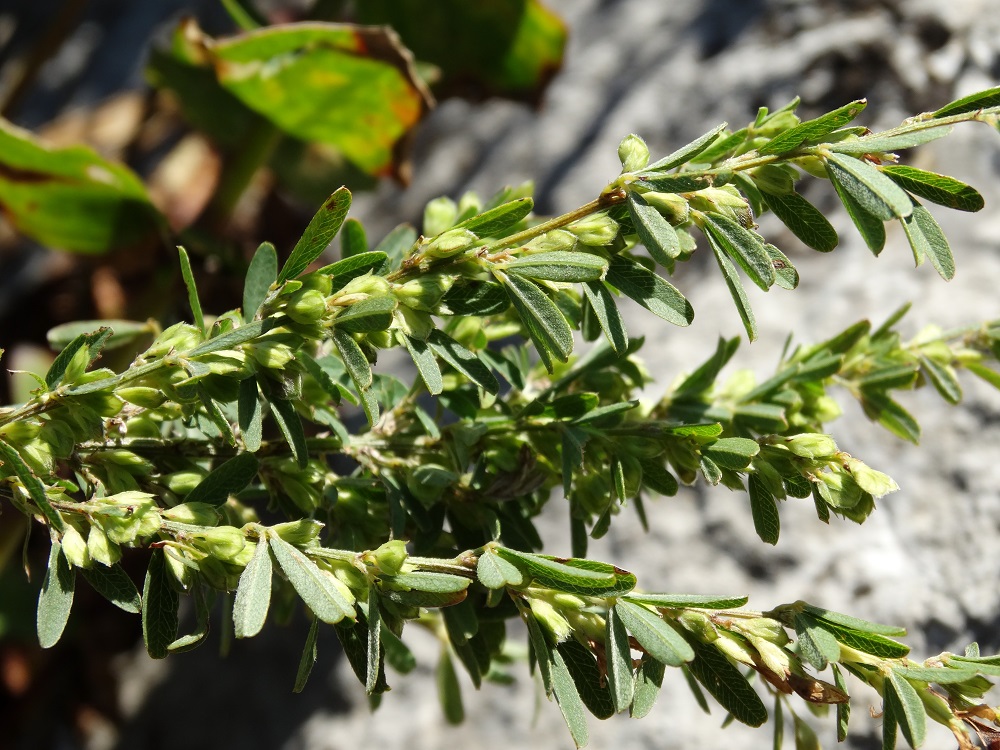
[602, 302]
[319, 233]
[192, 288]
[235, 337]
[688, 152]
[578, 576]
[559, 266]
[261, 273]
[909, 710]
[546, 326]
[434, 583]
[70, 198]
[683, 601]
[225, 479]
[202, 625]
[678, 182]
[878, 143]
[943, 379]
[92, 341]
[970, 103]
[55, 599]
[941, 675]
[123, 333]
[13, 463]
[463, 360]
[853, 623]
[479, 298]
[354, 359]
[253, 594]
[652, 292]
[785, 274]
[843, 709]
[764, 509]
[655, 232]
[494, 221]
[114, 585]
[506, 48]
[648, 679]
[353, 266]
[870, 227]
[656, 478]
[736, 291]
[618, 656]
[928, 241]
[888, 413]
[496, 573]
[872, 190]
[374, 651]
[732, 452]
[876, 645]
[449, 691]
[570, 704]
[743, 246]
[426, 364]
[315, 586]
[937, 188]
[367, 315]
[657, 636]
[353, 240]
[817, 645]
[588, 678]
[250, 414]
[159, 607]
[804, 220]
[727, 685]
[813, 130]
[308, 658]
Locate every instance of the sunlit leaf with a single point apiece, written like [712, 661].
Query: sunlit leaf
[55, 599]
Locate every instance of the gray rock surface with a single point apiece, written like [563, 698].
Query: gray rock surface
[927, 559]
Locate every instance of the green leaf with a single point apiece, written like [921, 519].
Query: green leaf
[890, 711]
[261, 273]
[602, 302]
[804, 220]
[578, 576]
[319, 233]
[352, 239]
[122, 333]
[494, 221]
[888, 413]
[805, 736]
[237, 336]
[316, 371]
[449, 691]
[764, 509]
[434, 583]
[308, 658]
[94, 341]
[374, 650]
[727, 685]
[367, 315]
[114, 585]
[355, 361]
[679, 182]
[937, 188]
[397, 654]
[656, 478]
[909, 709]
[463, 360]
[685, 601]
[587, 677]
[202, 627]
[546, 326]
[941, 675]
[225, 479]
[315, 586]
[496, 573]
[648, 680]
[785, 274]
[652, 292]
[253, 594]
[873, 191]
[479, 298]
[985, 373]
[876, 645]
[70, 198]
[928, 241]
[655, 232]
[688, 152]
[353, 266]
[426, 364]
[250, 415]
[853, 623]
[813, 130]
[779, 724]
[743, 246]
[843, 709]
[55, 599]
[618, 655]
[817, 645]
[878, 143]
[192, 288]
[870, 227]
[658, 637]
[732, 452]
[736, 291]
[943, 379]
[561, 265]
[159, 607]
[570, 704]
[13, 463]
[972, 102]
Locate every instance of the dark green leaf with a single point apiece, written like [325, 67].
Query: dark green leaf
[237, 336]
[315, 586]
[202, 613]
[560, 265]
[878, 143]
[319, 233]
[943, 378]
[928, 241]
[876, 645]
[813, 130]
[888, 413]
[55, 599]
[890, 710]
[93, 341]
[655, 232]
[683, 601]
[463, 360]
[434, 583]
[909, 710]
[353, 638]
[494, 221]
[159, 607]
[843, 709]
[804, 220]
[352, 239]
[937, 188]
[253, 594]
[353, 266]
[261, 273]
[397, 654]
[426, 364]
[870, 227]
[853, 623]
[971, 103]
[225, 480]
[618, 656]
[732, 452]
[679, 182]
[308, 658]
[656, 636]
[250, 414]
[688, 152]
[570, 704]
[367, 315]
[779, 724]
[449, 691]
[872, 190]
[587, 676]
[547, 327]
[764, 508]
[727, 685]
[316, 371]
[652, 292]
[114, 585]
[354, 359]
[805, 736]
[743, 246]
[817, 645]
[656, 477]
[602, 302]
[736, 291]
[476, 298]
[648, 679]
[192, 288]
[14, 464]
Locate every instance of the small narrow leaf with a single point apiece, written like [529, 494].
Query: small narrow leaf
[561, 265]
[426, 364]
[318, 234]
[937, 188]
[114, 585]
[463, 360]
[688, 152]
[870, 227]
[352, 239]
[743, 246]
[928, 241]
[878, 143]
[308, 658]
[804, 220]
[655, 232]
[368, 315]
[253, 594]
[224, 480]
[13, 463]
[872, 190]
[727, 685]
[943, 379]
[736, 291]
[602, 302]
[678, 182]
[570, 704]
[652, 292]
[235, 337]
[396, 244]
[890, 711]
[546, 326]
[785, 274]
[853, 623]
[355, 361]
[685, 601]
[352, 267]
[910, 711]
[202, 625]
[493, 222]
[250, 414]
[495, 573]
[315, 586]
[332, 389]
[192, 288]
[888, 413]
[159, 607]
[732, 452]
[648, 680]
[94, 341]
[55, 600]
[449, 691]
[657, 636]
[261, 273]
[970, 103]
[813, 130]
[619, 660]
[843, 709]
[764, 508]
[374, 651]
[817, 645]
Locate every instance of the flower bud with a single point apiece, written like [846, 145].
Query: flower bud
[74, 547]
[552, 241]
[633, 153]
[843, 491]
[734, 646]
[368, 285]
[811, 445]
[698, 624]
[725, 200]
[196, 514]
[223, 542]
[673, 207]
[416, 324]
[469, 204]
[766, 628]
[777, 179]
[550, 618]
[306, 306]
[439, 216]
[775, 658]
[423, 292]
[452, 242]
[182, 482]
[147, 398]
[101, 548]
[596, 230]
[299, 533]
[59, 435]
[179, 337]
[138, 427]
[273, 355]
[389, 557]
[176, 565]
[873, 482]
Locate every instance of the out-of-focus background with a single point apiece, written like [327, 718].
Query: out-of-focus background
[928, 559]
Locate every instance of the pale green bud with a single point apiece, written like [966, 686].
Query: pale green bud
[306, 306]
[243, 557]
[725, 200]
[633, 153]
[452, 242]
[775, 658]
[844, 492]
[439, 216]
[825, 409]
[424, 292]
[300, 533]
[344, 590]
[182, 482]
[415, 323]
[178, 566]
[223, 542]
[147, 398]
[596, 230]
[141, 426]
[360, 287]
[673, 207]
[228, 362]
[811, 445]
[734, 646]
[777, 179]
[319, 282]
[813, 165]
[873, 482]
[469, 204]
[101, 548]
[350, 577]
[196, 514]
[180, 337]
[77, 365]
[273, 355]
[389, 557]
[550, 618]
[765, 627]
[553, 241]
[698, 624]
[74, 546]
